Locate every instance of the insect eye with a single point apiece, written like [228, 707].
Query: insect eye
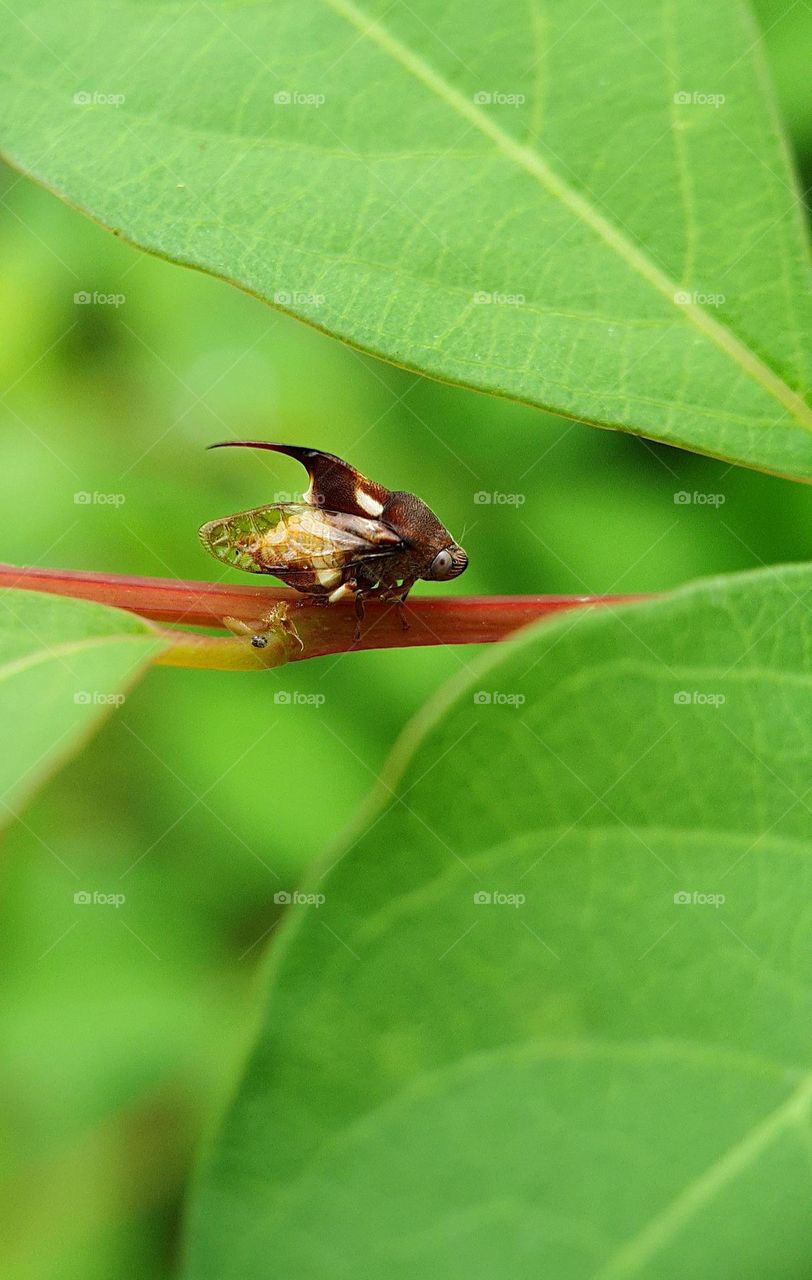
[442, 565]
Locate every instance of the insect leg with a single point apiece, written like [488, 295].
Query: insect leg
[405, 589]
[349, 588]
[359, 615]
[397, 596]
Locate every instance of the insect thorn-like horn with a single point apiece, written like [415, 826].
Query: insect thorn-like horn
[259, 444]
[333, 482]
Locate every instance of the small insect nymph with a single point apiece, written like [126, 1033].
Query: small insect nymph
[348, 536]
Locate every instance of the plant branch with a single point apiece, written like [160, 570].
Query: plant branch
[431, 619]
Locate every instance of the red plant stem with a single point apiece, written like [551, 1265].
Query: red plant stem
[431, 619]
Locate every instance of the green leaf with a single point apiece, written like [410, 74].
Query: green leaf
[380, 170]
[64, 665]
[585, 1074]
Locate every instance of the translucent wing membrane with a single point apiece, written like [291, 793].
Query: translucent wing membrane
[290, 538]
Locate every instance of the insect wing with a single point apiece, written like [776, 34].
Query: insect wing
[290, 538]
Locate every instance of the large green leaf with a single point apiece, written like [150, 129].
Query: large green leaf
[637, 241]
[64, 665]
[586, 1075]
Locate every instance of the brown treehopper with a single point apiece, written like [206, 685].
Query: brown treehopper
[348, 536]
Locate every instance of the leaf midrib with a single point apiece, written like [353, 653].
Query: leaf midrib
[579, 206]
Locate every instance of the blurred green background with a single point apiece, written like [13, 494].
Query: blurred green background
[123, 1028]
